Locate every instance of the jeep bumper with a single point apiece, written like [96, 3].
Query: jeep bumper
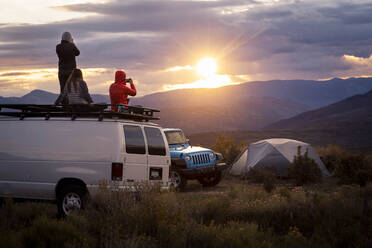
[204, 169]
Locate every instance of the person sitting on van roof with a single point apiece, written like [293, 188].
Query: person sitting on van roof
[75, 91]
[119, 91]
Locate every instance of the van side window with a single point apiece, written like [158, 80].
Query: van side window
[134, 140]
[155, 141]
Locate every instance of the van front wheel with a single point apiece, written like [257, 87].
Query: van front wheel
[71, 197]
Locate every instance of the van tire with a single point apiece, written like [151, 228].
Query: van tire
[71, 197]
[178, 180]
[211, 179]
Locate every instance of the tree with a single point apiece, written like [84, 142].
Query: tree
[304, 169]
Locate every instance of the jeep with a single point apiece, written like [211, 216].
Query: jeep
[192, 162]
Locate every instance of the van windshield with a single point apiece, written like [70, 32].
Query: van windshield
[175, 137]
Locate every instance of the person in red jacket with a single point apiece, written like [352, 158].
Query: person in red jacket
[119, 91]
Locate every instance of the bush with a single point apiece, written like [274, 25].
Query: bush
[267, 176]
[228, 148]
[54, 233]
[331, 154]
[304, 169]
[340, 216]
[354, 169]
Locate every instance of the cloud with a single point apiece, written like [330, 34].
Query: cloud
[350, 13]
[358, 61]
[258, 39]
[178, 68]
[212, 82]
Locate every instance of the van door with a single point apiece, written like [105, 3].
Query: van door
[158, 154]
[134, 154]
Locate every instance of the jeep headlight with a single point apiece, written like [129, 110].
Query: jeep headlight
[187, 158]
[211, 155]
[219, 156]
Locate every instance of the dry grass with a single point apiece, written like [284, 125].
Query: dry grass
[233, 214]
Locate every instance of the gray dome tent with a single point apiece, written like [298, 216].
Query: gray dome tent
[276, 153]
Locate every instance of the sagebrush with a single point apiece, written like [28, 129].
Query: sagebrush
[235, 214]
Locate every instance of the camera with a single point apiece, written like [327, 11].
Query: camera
[129, 80]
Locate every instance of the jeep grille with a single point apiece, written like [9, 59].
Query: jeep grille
[202, 158]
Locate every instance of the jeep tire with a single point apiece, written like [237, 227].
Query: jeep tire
[210, 180]
[71, 197]
[178, 180]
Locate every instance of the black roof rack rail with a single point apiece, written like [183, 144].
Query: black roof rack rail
[99, 111]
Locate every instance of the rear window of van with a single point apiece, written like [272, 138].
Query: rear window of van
[134, 140]
[155, 141]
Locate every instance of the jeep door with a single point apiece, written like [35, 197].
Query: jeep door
[134, 154]
[158, 154]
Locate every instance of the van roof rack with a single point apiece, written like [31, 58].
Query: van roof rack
[99, 111]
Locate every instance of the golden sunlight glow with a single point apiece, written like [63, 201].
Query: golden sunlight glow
[214, 81]
[24, 80]
[179, 68]
[207, 67]
[358, 60]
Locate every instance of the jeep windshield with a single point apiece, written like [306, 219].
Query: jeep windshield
[175, 137]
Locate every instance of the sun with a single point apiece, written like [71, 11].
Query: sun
[207, 67]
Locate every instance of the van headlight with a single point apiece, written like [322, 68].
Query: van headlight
[211, 155]
[187, 158]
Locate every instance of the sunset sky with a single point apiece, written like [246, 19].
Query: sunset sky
[168, 44]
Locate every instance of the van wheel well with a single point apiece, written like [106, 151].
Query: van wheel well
[69, 181]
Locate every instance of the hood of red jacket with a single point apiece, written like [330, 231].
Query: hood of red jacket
[120, 77]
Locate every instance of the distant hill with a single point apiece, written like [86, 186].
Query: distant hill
[247, 106]
[249, 114]
[353, 140]
[205, 116]
[313, 94]
[44, 97]
[353, 113]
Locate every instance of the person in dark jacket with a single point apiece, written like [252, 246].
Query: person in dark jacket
[66, 51]
[119, 91]
[75, 90]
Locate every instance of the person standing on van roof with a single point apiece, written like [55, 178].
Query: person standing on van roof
[119, 91]
[75, 91]
[66, 51]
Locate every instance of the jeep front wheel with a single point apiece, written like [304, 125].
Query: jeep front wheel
[211, 179]
[178, 180]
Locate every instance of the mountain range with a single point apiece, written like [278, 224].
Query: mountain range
[347, 123]
[353, 113]
[248, 106]
[310, 93]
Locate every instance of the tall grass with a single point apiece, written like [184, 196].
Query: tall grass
[235, 214]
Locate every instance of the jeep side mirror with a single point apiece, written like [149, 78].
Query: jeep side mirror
[188, 141]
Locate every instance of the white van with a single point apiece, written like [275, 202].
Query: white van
[65, 159]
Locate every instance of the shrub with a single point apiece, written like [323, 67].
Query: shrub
[331, 154]
[267, 176]
[269, 184]
[228, 148]
[258, 175]
[354, 169]
[340, 216]
[304, 169]
[46, 232]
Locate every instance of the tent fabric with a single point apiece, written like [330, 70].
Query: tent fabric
[275, 153]
[240, 162]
